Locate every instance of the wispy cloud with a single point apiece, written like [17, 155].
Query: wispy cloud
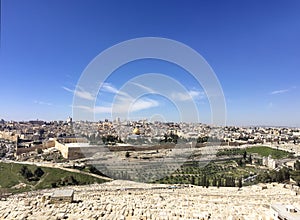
[121, 102]
[122, 106]
[67, 89]
[108, 87]
[146, 88]
[42, 103]
[142, 104]
[96, 109]
[80, 93]
[279, 91]
[124, 103]
[197, 94]
[192, 94]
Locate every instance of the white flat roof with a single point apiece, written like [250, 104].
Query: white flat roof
[284, 213]
[63, 193]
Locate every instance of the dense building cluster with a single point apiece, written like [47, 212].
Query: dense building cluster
[37, 134]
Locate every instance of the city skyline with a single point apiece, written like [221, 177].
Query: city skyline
[251, 46]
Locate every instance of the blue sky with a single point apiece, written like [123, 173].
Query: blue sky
[252, 46]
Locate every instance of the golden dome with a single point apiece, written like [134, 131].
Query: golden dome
[136, 131]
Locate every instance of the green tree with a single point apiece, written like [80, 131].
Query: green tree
[207, 183]
[296, 176]
[214, 182]
[39, 151]
[240, 162]
[245, 155]
[104, 139]
[229, 182]
[193, 180]
[240, 183]
[25, 172]
[232, 182]
[219, 183]
[250, 159]
[69, 180]
[282, 175]
[203, 181]
[39, 172]
[264, 177]
[202, 139]
[199, 181]
[297, 165]
[226, 181]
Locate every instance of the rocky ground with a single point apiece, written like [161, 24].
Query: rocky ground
[130, 200]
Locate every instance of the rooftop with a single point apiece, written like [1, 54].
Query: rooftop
[63, 193]
[288, 212]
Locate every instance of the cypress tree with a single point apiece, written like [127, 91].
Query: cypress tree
[240, 183]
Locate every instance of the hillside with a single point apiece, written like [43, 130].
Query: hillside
[11, 179]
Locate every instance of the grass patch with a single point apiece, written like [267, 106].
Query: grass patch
[260, 150]
[10, 176]
[266, 151]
